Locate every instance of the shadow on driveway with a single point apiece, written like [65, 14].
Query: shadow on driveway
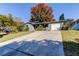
[33, 48]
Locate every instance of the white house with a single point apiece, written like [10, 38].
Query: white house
[51, 25]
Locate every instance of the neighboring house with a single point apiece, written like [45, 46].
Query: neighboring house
[51, 25]
[75, 26]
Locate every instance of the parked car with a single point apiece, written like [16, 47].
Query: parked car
[5, 29]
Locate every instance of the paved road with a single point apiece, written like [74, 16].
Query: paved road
[39, 43]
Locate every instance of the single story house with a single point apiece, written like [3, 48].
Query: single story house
[51, 25]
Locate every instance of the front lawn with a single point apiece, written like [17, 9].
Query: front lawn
[71, 42]
[13, 35]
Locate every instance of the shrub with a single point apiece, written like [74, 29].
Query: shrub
[25, 28]
[40, 28]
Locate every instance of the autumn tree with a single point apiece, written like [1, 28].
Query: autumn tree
[13, 23]
[67, 23]
[4, 20]
[10, 16]
[41, 13]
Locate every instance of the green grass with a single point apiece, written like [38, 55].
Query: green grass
[71, 42]
[70, 35]
[13, 35]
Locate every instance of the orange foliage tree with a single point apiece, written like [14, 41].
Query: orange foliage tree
[41, 13]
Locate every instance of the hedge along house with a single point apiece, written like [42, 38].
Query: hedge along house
[51, 25]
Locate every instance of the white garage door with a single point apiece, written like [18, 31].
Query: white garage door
[55, 26]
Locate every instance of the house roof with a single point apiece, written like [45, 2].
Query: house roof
[43, 22]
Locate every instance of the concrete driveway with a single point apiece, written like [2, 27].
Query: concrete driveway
[40, 35]
[39, 43]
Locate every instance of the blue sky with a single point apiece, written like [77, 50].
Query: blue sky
[22, 10]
